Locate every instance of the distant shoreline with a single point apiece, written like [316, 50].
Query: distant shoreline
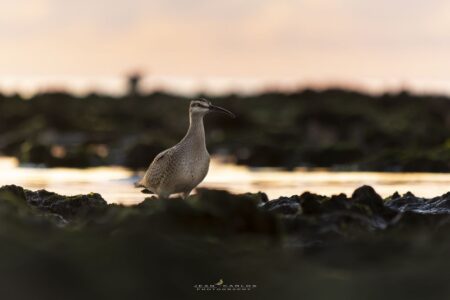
[334, 129]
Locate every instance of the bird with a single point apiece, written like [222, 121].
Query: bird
[179, 169]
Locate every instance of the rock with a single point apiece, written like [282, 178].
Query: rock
[395, 195]
[66, 206]
[340, 248]
[311, 203]
[366, 195]
[259, 197]
[410, 203]
[337, 215]
[317, 216]
[337, 203]
[283, 205]
[15, 190]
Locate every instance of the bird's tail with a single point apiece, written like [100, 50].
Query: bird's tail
[145, 190]
[138, 184]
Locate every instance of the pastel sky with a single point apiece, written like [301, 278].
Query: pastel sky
[181, 44]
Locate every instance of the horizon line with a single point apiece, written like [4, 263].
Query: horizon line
[116, 86]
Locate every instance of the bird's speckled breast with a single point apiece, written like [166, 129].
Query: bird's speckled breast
[192, 170]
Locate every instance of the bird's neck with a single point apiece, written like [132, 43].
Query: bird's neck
[196, 131]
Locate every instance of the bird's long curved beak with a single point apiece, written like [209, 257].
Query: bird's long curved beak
[222, 110]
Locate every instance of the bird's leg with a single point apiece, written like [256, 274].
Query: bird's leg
[185, 195]
[163, 196]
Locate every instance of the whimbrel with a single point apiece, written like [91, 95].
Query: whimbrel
[181, 168]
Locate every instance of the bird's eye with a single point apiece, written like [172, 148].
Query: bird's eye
[198, 105]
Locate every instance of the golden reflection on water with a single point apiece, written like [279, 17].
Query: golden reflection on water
[115, 184]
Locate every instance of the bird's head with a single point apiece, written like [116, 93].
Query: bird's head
[202, 107]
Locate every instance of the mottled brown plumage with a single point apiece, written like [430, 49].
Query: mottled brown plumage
[181, 168]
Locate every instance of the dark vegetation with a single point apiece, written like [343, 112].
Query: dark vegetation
[316, 247]
[332, 128]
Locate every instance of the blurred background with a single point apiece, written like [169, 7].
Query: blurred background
[343, 85]
[329, 95]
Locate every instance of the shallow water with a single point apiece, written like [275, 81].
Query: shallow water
[115, 184]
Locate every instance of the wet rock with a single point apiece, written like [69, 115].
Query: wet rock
[313, 217]
[15, 190]
[284, 205]
[308, 203]
[396, 195]
[337, 202]
[259, 197]
[318, 219]
[410, 203]
[311, 203]
[146, 249]
[14, 209]
[366, 195]
[66, 206]
[129, 250]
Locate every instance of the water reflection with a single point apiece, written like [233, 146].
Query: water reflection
[116, 183]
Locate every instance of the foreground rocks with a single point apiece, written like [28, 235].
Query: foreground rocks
[65, 206]
[339, 247]
[308, 216]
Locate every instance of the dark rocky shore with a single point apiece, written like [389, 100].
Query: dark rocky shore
[308, 246]
[339, 129]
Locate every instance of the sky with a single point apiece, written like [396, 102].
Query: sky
[219, 46]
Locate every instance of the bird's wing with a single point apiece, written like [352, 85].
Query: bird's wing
[157, 169]
[160, 156]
